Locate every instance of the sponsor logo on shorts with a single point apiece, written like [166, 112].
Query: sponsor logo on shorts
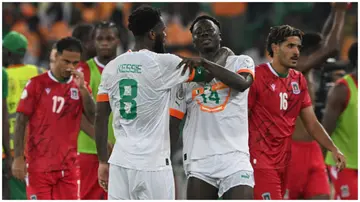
[266, 196]
[33, 197]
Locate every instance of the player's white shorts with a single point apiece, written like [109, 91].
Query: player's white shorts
[223, 171]
[129, 184]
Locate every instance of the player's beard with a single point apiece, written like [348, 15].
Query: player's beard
[159, 44]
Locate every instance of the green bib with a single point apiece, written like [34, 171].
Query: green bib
[85, 143]
[345, 135]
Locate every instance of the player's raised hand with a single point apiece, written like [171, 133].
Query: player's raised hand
[341, 5]
[189, 63]
[19, 168]
[103, 175]
[339, 159]
[78, 77]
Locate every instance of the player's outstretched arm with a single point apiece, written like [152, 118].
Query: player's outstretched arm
[18, 168]
[316, 130]
[331, 44]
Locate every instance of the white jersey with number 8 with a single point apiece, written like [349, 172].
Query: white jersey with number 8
[137, 86]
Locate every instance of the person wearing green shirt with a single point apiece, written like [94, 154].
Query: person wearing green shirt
[341, 122]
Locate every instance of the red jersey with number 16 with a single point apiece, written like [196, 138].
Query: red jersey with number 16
[54, 110]
[274, 104]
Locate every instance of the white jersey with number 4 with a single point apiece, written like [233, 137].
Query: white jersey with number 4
[216, 116]
[137, 86]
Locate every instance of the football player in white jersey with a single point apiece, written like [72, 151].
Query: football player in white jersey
[136, 87]
[215, 135]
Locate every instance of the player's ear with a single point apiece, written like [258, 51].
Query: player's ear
[152, 35]
[275, 48]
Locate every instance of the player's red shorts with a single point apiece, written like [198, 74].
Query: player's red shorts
[55, 185]
[89, 185]
[345, 183]
[306, 176]
[269, 183]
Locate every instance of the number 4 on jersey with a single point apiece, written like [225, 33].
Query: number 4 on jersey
[283, 101]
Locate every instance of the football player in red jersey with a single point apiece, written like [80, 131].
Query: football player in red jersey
[307, 177]
[53, 103]
[276, 98]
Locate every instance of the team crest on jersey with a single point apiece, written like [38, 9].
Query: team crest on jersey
[74, 93]
[295, 87]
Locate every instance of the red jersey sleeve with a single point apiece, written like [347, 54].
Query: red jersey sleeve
[28, 99]
[306, 102]
[252, 95]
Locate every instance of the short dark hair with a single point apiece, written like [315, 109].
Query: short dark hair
[278, 34]
[82, 31]
[204, 17]
[106, 25]
[143, 19]
[70, 44]
[353, 53]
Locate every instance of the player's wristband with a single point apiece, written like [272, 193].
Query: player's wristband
[199, 74]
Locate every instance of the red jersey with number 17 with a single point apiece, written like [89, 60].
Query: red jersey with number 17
[274, 104]
[54, 110]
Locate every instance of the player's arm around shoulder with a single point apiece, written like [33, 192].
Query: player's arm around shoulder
[239, 80]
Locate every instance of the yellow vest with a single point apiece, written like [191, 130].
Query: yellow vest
[17, 79]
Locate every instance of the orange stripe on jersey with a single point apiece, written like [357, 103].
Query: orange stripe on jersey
[102, 98]
[192, 76]
[176, 113]
[247, 71]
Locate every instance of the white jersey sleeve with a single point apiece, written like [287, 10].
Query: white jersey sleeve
[169, 75]
[245, 63]
[178, 101]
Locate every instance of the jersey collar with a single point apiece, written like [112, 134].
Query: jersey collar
[54, 79]
[98, 63]
[275, 73]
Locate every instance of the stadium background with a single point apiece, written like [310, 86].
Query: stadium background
[244, 30]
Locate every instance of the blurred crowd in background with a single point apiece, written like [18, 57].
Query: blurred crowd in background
[244, 25]
[244, 28]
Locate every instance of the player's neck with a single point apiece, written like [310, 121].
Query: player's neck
[104, 60]
[209, 55]
[58, 77]
[279, 69]
[141, 44]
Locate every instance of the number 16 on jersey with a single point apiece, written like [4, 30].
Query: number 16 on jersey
[283, 101]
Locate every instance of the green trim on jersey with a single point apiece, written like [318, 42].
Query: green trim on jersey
[345, 135]
[85, 143]
[279, 74]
